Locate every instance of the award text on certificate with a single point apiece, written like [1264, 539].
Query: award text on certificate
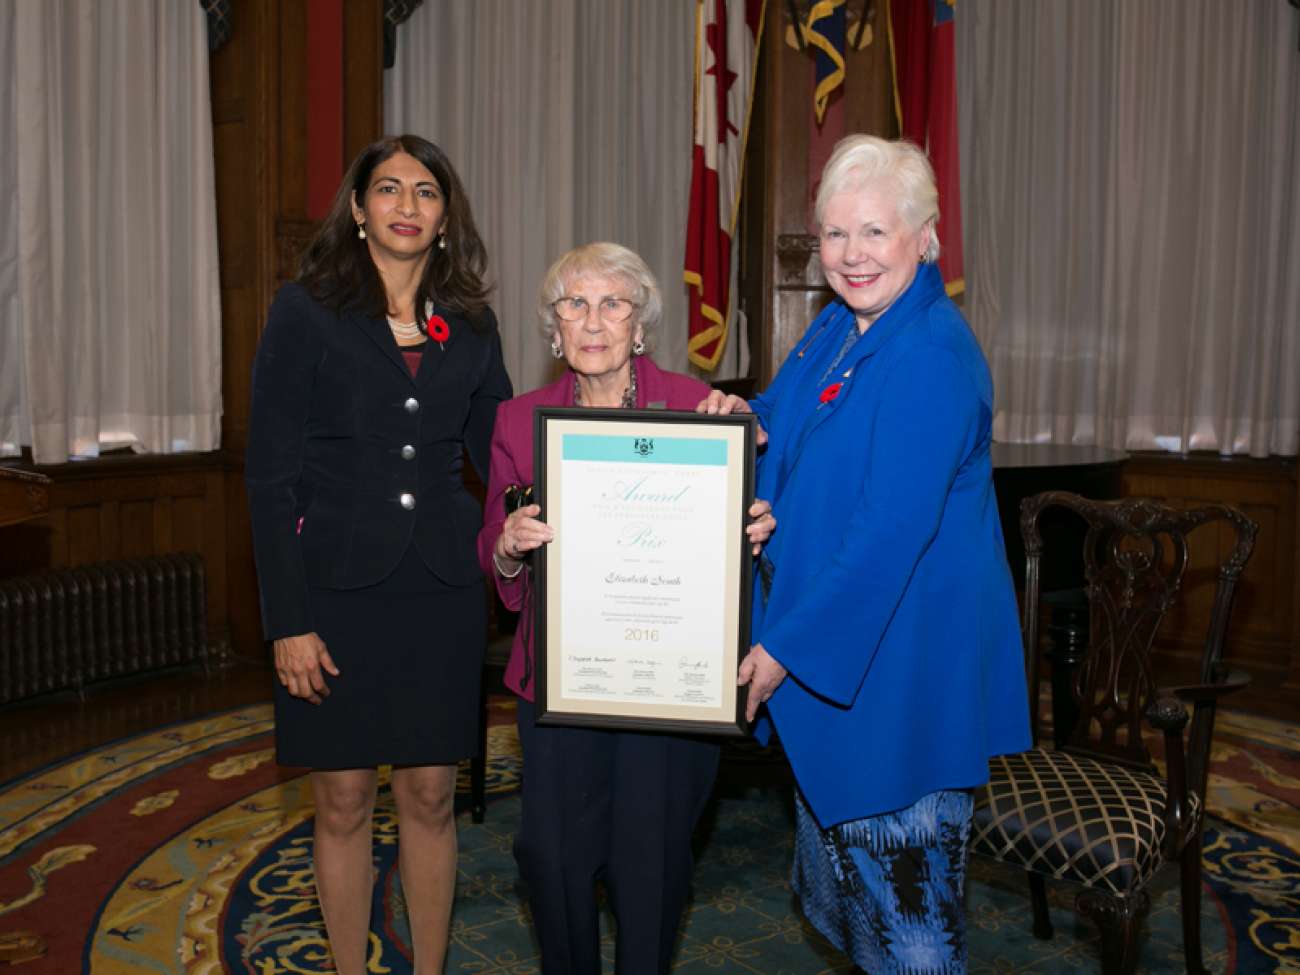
[643, 569]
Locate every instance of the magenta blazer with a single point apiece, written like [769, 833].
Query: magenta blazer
[511, 462]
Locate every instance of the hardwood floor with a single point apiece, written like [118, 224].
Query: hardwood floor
[40, 731]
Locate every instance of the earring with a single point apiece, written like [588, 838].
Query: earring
[361, 231]
[638, 347]
[556, 351]
[442, 241]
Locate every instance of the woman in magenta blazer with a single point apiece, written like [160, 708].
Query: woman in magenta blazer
[610, 805]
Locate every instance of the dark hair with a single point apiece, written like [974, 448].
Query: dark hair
[336, 266]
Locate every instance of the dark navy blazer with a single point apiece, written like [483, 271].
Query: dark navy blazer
[351, 459]
[890, 601]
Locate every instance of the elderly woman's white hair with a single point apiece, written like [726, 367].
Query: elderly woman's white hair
[861, 160]
[606, 260]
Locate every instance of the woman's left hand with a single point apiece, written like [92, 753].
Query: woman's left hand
[763, 673]
[762, 524]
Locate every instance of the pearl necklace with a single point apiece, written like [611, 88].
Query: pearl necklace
[406, 331]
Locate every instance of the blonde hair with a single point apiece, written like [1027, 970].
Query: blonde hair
[862, 159]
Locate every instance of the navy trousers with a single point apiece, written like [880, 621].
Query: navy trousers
[618, 807]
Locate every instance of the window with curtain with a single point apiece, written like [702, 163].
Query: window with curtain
[568, 121]
[1133, 220]
[110, 319]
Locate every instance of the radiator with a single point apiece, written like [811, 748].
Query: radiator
[71, 627]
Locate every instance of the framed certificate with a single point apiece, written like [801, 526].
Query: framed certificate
[643, 597]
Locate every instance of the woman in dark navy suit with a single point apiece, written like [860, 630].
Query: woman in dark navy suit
[379, 366]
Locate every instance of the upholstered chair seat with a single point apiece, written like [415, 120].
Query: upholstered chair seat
[1074, 818]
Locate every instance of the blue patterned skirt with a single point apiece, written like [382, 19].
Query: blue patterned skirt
[887, 890]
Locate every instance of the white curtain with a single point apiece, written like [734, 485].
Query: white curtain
[13, 417]
[1133, 219]
[110, 322]
[568, 121]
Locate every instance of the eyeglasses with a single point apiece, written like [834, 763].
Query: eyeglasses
[612, 310]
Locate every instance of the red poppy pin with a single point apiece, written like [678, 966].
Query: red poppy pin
[438, 329]
[830, 392]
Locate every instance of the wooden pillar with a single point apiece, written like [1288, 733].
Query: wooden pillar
[297, 91]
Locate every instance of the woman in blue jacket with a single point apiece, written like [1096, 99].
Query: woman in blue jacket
[886, 646]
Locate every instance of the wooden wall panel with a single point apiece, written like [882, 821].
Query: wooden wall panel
[363, 70]
[242, 308]
[243, 76]
[290, 131]
[245, 605]
[187, 527]
[136, 521]
[130, 507]
[1264, 639]
[242, 104]
[82, 538]
[162, 512]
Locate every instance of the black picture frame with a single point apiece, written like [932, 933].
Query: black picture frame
[553, 705]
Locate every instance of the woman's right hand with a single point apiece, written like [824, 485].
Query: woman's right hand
[719, 403]
[299, 661]
[521, 534]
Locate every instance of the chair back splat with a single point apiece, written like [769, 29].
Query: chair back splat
[1135, 556]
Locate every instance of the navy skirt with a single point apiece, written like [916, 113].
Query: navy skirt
[410, 655]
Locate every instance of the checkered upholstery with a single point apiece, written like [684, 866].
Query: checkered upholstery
[1073, 818]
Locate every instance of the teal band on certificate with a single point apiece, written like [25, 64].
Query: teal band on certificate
[645, 450]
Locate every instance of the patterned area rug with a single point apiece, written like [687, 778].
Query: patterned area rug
[187, 850]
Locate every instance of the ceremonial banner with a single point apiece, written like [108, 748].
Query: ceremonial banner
[726, 49]
[923, 45]
[826, 33]
[643, 595]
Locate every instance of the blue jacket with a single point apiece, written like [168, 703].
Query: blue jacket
[889, 599]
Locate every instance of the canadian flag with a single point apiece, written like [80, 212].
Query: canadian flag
[726, 54]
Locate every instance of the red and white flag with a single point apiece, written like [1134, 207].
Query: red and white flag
[726, 54]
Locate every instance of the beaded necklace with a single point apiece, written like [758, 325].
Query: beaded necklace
[629, 395]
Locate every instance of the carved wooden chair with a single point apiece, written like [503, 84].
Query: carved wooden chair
[1095, 811]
